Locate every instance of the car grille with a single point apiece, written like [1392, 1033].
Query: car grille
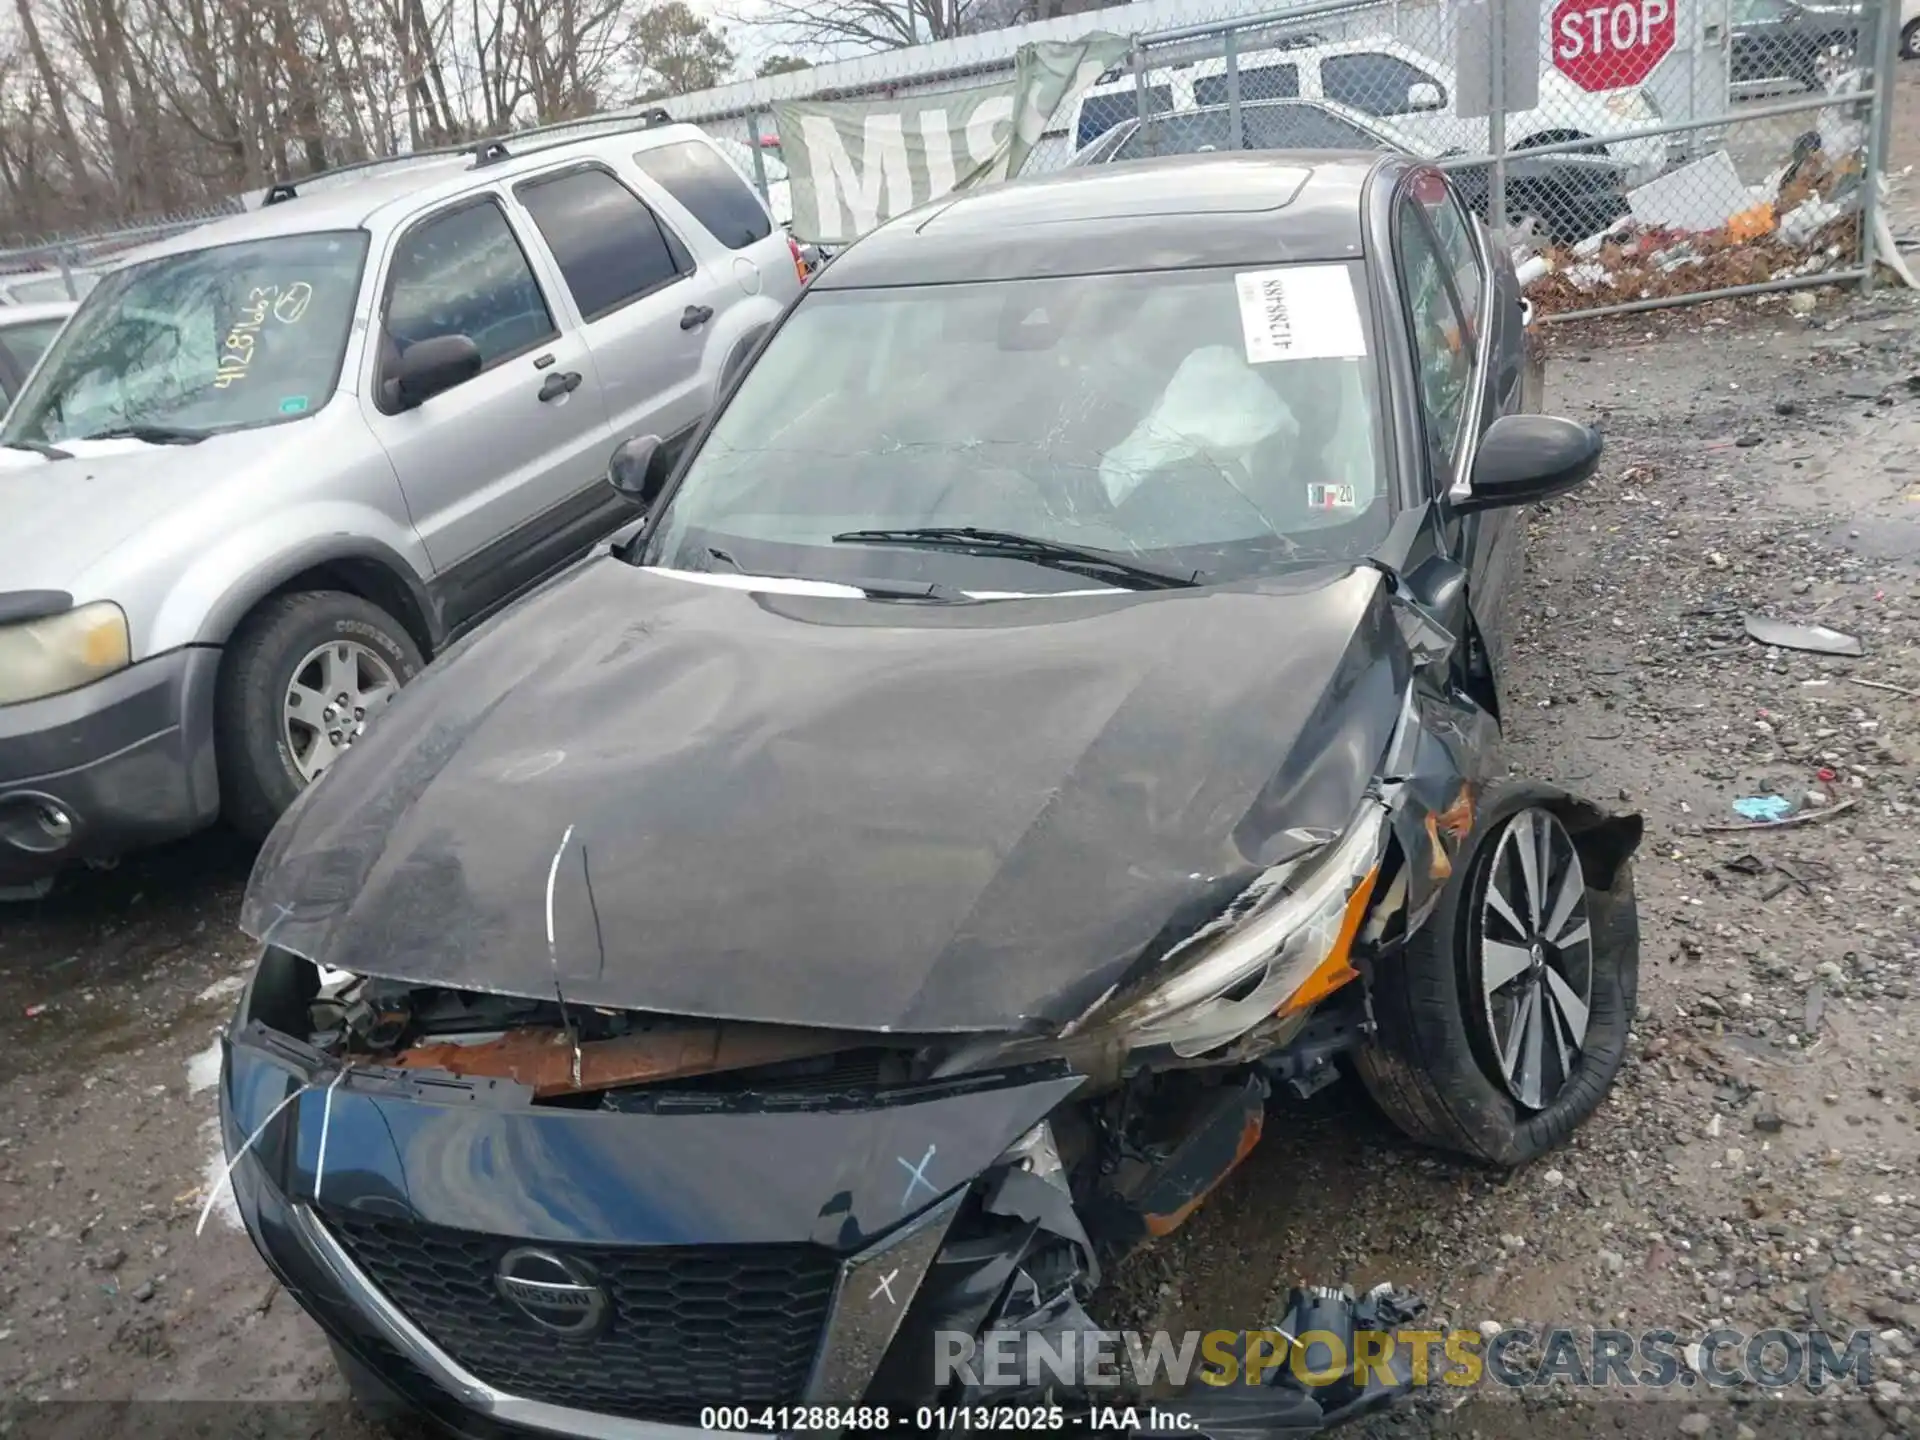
[690, 1326]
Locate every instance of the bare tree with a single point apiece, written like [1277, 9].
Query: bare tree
[123, 109]
[874, 25]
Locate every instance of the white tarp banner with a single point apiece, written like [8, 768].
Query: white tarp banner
[855, 163]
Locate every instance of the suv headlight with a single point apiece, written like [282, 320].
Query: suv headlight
[62, 652]
[1282, 946]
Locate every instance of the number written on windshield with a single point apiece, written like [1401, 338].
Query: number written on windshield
[284, 304]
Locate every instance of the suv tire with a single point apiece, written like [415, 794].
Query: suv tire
[260, 771]
[1430, 1065]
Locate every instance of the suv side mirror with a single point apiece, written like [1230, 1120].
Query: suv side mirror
[635, 469]
[1524, 458]
[429, 367]
[1423, 96]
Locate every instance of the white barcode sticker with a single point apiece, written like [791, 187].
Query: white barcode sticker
[1301, 312]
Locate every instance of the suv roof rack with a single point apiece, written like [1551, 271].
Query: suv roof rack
[561, 132]
[490, 151]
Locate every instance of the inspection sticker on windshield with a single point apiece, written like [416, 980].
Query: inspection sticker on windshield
[1301, 312]
[1331, 497]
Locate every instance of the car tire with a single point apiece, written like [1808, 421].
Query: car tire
[1429, 1063]
[259, 757]
[1910, 41]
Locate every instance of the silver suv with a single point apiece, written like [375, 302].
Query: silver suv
[274, 465]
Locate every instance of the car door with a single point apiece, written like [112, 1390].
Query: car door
[495, 469]
[642, 300]
[1386, 86]
[1449, 300]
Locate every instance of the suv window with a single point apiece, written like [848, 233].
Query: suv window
[463, 273]
[610, 247]
[1441, 349]
[1257, 82]
[1262, 127]
[700, 178]
[1374, 83]
[1100, 113]
[1455, 233]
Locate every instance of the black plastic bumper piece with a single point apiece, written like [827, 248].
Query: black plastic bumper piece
[1284, 1407]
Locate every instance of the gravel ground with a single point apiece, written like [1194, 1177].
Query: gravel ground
[1755, 1166]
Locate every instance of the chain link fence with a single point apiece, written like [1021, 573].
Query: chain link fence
[1632, 153]
[57, 267]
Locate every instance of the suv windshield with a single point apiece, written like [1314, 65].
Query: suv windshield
[1203, 420]
[201, 341]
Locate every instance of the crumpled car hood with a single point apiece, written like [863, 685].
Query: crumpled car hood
[667, 796]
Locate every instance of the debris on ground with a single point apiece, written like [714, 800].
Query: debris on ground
[1699, 228]
[1763, 807]
[1803, 817]
[1816, 639]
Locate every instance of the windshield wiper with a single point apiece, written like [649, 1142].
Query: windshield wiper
[37, 447]
[873, 589]
[1054, 554]
[151, 434]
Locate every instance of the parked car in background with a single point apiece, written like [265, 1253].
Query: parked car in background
[779, 189]
[51, 287]
[1386, 80]
[1571, 196]
[884, 889]
[272, 466]
[1790, 42]
[25, 333]
[1910, 30]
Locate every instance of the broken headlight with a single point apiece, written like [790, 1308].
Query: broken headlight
[1282, 946]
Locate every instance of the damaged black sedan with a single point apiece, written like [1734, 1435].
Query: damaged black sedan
[1048, 714]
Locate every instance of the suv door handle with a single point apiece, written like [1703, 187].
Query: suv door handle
[563, 383]
[695, 316]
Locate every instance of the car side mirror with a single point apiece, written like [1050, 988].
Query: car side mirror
[1423, 96]
[429, 367]
[1524, 458]
[635, 469]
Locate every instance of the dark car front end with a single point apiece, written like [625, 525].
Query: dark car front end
[793, 958]
[706, 1256]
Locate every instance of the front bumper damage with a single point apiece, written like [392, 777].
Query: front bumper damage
[753, 1253]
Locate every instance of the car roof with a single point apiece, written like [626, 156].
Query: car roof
[1264, 56]
[347, 200]
[11, 315]
[1244, 208]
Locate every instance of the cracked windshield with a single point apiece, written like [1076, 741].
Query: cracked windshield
[204, 341]
[1210, 424]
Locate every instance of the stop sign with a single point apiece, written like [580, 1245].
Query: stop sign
[1608, 44]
